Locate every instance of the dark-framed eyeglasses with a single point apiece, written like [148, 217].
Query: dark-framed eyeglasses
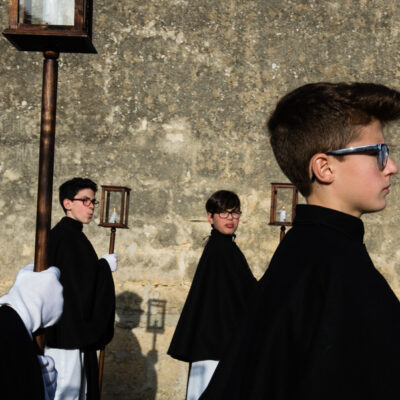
[225, 214]
[87, 202]
[381, 150]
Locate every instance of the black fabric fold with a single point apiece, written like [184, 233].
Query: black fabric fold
[215, 303]
[21, 376]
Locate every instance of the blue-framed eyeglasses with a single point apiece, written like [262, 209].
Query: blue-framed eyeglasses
[381, 150]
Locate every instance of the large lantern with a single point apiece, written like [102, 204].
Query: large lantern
[57, 25]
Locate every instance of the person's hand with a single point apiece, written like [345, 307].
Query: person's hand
[36, 297]
[112, 260]
[49, 374]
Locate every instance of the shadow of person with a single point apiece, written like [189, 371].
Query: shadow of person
[128, 374]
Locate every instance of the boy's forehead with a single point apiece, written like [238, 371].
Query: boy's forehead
[369, 134]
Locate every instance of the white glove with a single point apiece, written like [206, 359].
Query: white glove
[36, 297]
[112, 260]
[49, 374]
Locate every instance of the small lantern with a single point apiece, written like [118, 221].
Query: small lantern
[284, 198]
[283, 203]
[56, 25]
[114, 207]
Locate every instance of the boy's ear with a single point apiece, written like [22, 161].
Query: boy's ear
[210, 218]
[67, 204]
[321, 168]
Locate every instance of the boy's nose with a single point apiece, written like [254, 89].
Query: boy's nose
[391, 166]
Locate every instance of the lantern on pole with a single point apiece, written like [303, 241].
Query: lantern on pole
[49, 26]
[114, 211]
[284, 198]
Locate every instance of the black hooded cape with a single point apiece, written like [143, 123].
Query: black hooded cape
[87, 322]
[323, 324]
[220, 288]
[20, 372]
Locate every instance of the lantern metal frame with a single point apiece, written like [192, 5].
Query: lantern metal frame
[27, 36]
[105, 206]
[275, 187]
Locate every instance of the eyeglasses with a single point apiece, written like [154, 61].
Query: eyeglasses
[380, 150]
[225, 214]
[87, 202]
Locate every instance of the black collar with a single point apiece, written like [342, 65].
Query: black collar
[72, 223]
[346, 224]
[215, 233]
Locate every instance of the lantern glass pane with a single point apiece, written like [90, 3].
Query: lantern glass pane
[113, 209]
[47, 12]
[284, 205]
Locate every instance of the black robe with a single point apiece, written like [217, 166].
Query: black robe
[323, 324]
[215, 302]
[87, 322]
[20, 372]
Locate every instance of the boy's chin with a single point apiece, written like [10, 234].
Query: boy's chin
[226, 231]
[374, 210]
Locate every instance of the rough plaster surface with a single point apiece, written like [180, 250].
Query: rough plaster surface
[173, 106]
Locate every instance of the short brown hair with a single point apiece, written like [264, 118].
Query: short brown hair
[325, 116]
[70, 188]
[223, 200]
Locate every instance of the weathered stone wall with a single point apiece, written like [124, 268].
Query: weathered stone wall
[174, 106]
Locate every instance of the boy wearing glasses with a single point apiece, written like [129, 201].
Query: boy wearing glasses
[324, 323]
[87, 322]
[220, 287]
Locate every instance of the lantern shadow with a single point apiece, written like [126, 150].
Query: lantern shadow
[129, 374]
[155, 318]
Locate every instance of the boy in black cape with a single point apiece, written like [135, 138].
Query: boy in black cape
[324, 324]
[87, 322]
[219, 290]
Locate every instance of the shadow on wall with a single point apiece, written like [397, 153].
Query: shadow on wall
[129, 374]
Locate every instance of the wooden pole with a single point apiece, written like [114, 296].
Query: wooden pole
[46, 158]
[46, 164]
[102, 351]
[112, 240]
[282, 233]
